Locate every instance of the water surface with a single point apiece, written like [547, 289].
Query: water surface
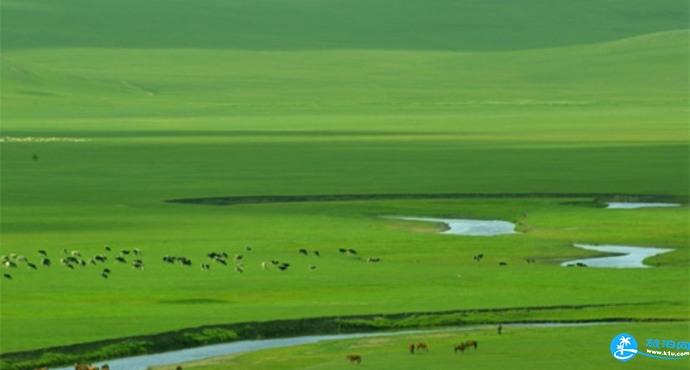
[635, 205]
[627, 256]
[469, 227]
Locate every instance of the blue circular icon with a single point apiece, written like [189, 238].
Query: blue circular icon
[623, 347]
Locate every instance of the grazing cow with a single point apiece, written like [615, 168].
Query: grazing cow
[342, 250]
[75, 253]
[351, 251]
[221, 261]
[317, 253]
[312, 267]
[31, 265]
[239, 269]
[283, 267]
[205, 267]
[137, 251]
[421, 346]
[354, 359]
[45, 262]
[502, 263]
[373, 259]
[303, 251]
[7, 276]
[248, 248]
[411, 347]
[41, 251]
[104, 275]
[107, 248]
[238, 257]
[121, 259]
[125, 252]
[275, 262]
[106, 270]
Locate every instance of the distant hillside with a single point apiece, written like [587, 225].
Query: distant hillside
[325, 24]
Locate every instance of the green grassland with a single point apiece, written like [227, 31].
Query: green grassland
[520, 348]
[227, 98]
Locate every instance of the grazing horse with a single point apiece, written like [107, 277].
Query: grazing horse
[354, 359]
[421, 346]
[463, 346]
[79, 366]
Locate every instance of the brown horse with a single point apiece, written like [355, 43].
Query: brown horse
[467, 344]
[421, 346]
[354, 359]
[79, 366]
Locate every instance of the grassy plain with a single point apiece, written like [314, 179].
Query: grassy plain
[519, 348]
[227, 105]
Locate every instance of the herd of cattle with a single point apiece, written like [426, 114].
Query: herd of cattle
[134, 257]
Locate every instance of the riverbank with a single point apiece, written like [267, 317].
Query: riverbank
[224, 333]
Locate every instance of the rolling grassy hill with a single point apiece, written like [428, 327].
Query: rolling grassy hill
[325, 24]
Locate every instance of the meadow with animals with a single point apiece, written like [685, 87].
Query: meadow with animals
[177, 175]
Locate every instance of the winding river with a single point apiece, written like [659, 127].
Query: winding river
[636, 205]
[144, 362]
[627, 256]
[459, 226]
